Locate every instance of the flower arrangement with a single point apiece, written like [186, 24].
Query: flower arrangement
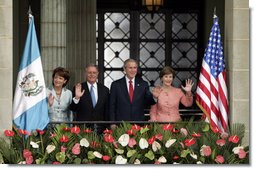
[178, 143]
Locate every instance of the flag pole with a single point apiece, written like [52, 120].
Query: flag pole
[29, 11]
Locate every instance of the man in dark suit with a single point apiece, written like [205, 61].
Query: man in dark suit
[129, 95]
[91, 99]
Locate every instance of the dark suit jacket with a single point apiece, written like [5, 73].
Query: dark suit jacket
[85, 110]
[120, 106]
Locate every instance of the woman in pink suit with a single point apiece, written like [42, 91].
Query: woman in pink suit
[169, 98]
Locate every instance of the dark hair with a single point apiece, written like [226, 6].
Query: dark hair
[167, 70]
[60, 71]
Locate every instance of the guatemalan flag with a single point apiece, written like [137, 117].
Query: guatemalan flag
[30, 110]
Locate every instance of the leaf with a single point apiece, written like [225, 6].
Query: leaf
[184, 153]
[119, 151]
[77, 161]
[90, 155]
[124, 140]
[60, 156]
[149, 155]
[205, 128]
[130, 153]
[143, 130]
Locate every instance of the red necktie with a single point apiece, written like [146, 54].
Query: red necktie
[130, 90]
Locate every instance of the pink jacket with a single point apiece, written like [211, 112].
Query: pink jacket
[167, 107]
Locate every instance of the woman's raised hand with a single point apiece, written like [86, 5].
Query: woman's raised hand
[188, 85]
[78, 91]
[156, 91]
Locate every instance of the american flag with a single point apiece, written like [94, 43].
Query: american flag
[211, 94]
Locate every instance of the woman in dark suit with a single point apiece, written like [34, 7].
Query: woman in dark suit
[129, 95]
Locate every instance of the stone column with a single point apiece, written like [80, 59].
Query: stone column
[237, 51]
[53, 36]
[81, 37]
[6, 60]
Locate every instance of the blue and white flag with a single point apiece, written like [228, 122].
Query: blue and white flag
[30, 109]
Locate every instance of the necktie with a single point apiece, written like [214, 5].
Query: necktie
[130, 90]
[92, 96]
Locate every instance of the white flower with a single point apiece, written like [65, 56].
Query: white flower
[97, 154]
[120, 160]
[175, 163]
[156, 146]
[50, 148]
[137, 161]
[84, 142]
[237, 149]
[34, 145]
[193, 155]
[22, 162]
[199, 162]
[162, 159]
[170, 142]
[143, 144]
[124, 139]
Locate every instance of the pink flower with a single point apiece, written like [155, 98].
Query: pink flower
[157, 162]
[29, 160]
[105, 158]
[27, 153]
[75, 129]
[241, 154]
[76, 149]
[184, 132]
[219, 159]
[132, 142]
[224, 135]
[159, 136]
[41, 132]
[205, 150]
[221, 142]
[63, 149]
[196, 135]
[233, 139]
[87, 131]
[175, 157]
[52, 135]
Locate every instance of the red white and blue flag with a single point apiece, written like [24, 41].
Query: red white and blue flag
[211, 94]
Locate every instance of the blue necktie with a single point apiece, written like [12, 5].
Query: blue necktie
[92, 96]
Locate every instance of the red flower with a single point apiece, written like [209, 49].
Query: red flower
[115, 145]
[76, 149]
[168, 127]
[135, 127]
[159, 136]
[219, 159]
[221, 142]
[175, 130]
[75, 129]
[196, 135]
[29, 160]
[233, 139]
[9, 133]
[64, 139]
[109, 138]
[215, 129]
[41, 132]
[23, 132]
[241, 154]
[27, 153]
[224, 135]
[94, 144]
[151, 140]
[52, 135]
[105, 158]
[189, 142]
[107, 131]
[130, 132]
[157, 162]
[66, 129]
[87, 131]
[56, 162]
[175, 157]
